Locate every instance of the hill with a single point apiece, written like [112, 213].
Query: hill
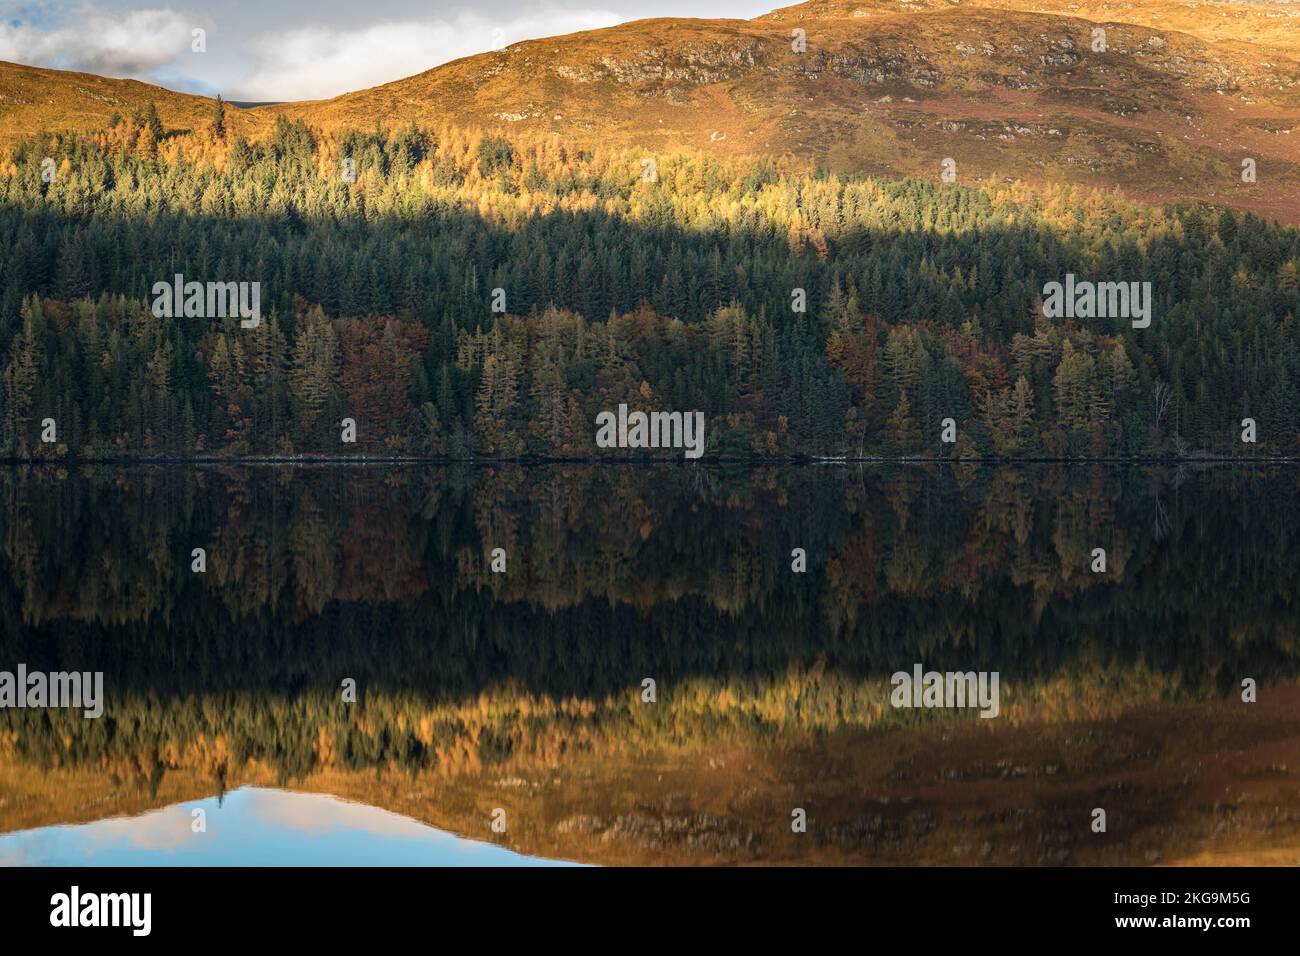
[34, 99]
[896, 88]
[1008, 89]
[1261, 24]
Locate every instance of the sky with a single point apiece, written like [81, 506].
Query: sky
[269, 50]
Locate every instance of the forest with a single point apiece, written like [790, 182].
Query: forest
[462, 294]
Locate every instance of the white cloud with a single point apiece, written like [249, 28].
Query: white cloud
[323, 813]
[120, 44]
[316, 62]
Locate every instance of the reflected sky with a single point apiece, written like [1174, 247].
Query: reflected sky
[253, 826]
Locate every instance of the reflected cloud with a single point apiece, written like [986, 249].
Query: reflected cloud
[320, 814]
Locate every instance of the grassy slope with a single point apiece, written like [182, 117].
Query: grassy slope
[33, 99]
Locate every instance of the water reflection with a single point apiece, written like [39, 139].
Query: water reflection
[253, 826]
[1119, 689]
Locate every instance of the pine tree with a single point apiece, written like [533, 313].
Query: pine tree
[219, 118]
[1022, 416]
[23, 369]
[153, 122]
[314, 374]
[1073, 388]
[902, 431]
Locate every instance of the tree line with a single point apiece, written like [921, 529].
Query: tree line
[803, 313]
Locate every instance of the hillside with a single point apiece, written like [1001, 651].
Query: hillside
[1261, 24]
[33, 99]
[1007, 94]
[1009, 89]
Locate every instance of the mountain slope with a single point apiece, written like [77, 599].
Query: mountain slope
[1007, 89]
[895, 88]
[34, 99]
[1272, 25]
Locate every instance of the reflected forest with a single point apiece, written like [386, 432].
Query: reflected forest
[524, 689]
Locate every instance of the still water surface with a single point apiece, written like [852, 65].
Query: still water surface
[769, 606]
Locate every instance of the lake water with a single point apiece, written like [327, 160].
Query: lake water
[675, 664]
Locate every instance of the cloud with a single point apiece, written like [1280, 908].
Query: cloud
[168, 828]
[321, 814]
[119, 44]
[317, 62]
